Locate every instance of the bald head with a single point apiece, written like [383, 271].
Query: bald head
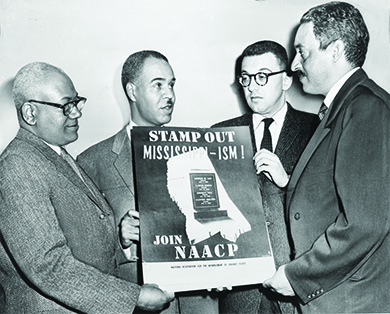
[30, 81]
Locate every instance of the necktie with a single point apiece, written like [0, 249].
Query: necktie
[322, 111]
[68, 158]
[266, 142]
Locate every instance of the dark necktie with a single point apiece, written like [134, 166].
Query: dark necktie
[266, 142]
[322, 111]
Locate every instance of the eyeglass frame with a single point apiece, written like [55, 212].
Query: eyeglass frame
[267, 75]
[77, 100]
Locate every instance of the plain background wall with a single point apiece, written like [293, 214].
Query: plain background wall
[90, 39]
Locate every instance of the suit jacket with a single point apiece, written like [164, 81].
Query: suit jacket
[109, 164]
[338, 206]
[296, 131]
[59, 244]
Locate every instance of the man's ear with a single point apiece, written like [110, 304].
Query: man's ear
[338, 49]
[130, 91]
[28, 112]
[287, 81]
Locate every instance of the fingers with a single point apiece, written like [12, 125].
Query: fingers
[152, 298]
[129, 228]
[264, 158]
[220, 289]
[132, 214]
[169, 295]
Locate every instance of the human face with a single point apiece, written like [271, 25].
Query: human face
[153, 94]
[270, 98]
[50, 122]
[313, 66]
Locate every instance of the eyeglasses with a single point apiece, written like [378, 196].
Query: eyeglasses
[261, 78]
[68, 107]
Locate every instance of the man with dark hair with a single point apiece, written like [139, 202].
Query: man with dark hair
[338, 200]
[148, 82]
[279, 135]
[59, 245]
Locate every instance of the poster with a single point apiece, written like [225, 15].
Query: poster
[201, 218]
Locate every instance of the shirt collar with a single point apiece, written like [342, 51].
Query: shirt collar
[129, 127]
[57, 149]
[278, 117]
[336, 87]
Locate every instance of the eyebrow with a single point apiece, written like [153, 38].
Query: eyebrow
[260, 70]
[69, 98]
[162, 79]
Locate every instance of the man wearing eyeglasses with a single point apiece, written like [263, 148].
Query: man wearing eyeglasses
[279, 134]
[59, 244]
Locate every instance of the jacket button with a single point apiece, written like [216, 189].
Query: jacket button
[297, 216]
[101, 216]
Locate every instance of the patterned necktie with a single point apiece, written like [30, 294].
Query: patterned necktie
[322, 111]
[266, 142]
[68, 158]
[72, 163]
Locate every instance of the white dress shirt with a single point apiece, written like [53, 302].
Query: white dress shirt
[336, 88]
[275, 127]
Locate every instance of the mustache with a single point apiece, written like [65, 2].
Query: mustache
[300, 74]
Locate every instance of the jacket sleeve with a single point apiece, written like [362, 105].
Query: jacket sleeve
[38, 246]
[361, 182]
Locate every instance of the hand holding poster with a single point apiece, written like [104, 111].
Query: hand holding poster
[201, 217]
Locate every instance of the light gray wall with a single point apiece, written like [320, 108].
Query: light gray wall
[90, 39]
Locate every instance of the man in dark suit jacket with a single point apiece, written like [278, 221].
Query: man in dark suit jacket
[338, 198]
[265, 83]
[59, 244]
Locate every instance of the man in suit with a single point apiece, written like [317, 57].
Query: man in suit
[59, 245]
[338, 200]
[265, 80]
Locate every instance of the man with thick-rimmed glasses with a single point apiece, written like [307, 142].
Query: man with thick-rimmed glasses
[59, 245]
[279, 135]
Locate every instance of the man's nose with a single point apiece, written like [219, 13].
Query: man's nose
[296, 64]
[253, 85]
[75, 113]
[169, 93]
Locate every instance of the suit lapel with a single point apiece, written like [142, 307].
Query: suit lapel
[124, 161]
[323, 129]
[289, 132]
[61, 165]
[317, 138]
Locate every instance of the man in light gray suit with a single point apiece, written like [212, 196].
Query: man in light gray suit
[59, 244]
